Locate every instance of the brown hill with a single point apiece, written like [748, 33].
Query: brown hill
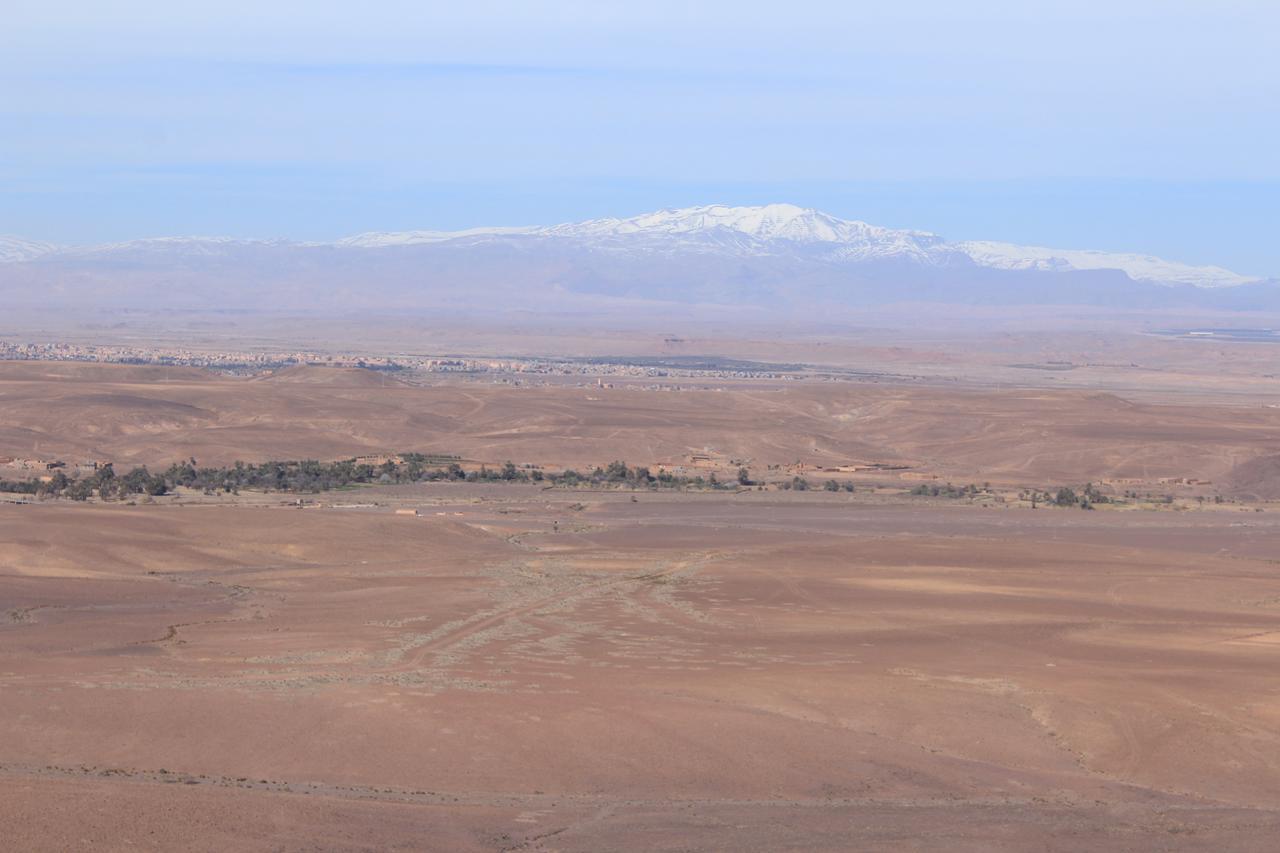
[1258, 478]
[1021, 436]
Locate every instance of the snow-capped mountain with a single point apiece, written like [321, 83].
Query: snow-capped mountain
[385, 239]
[765, 223]
[768, 229]
[16, 249]
[771, 255]
[162, 247]
[1007, 256]
[775, 229]
[851, 240]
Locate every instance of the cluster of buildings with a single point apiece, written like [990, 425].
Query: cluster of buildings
[1160, 481]
[250, 361]
[43, 469]
[182, 356]
[587, 367]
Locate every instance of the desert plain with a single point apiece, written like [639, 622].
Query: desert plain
[517, 666]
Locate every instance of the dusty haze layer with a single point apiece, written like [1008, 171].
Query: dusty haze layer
[773, 258]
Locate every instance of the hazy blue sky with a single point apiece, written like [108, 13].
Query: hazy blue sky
[1122, 125]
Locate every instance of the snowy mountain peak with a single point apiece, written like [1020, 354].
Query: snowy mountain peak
[764, 222]
[384, 239]
[780, 232]
[14, 249]
[854, 241]
[1008, 256]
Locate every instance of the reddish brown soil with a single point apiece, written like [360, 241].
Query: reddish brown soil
[1038, 437]
[752, 672]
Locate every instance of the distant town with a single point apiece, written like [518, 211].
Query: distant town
[250, 362]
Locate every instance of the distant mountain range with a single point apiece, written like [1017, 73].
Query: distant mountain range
[772, 256]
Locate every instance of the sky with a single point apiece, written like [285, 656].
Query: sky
[1122, 125]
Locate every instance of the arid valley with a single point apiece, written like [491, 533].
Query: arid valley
[855, 616]
[664, 427]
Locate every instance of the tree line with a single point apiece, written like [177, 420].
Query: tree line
[313, 476]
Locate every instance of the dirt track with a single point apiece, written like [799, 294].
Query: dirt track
[691, 671]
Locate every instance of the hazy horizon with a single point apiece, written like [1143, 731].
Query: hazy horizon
[1145, 128]
[655, 427]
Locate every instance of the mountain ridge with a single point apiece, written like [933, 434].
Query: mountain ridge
[747, 231]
